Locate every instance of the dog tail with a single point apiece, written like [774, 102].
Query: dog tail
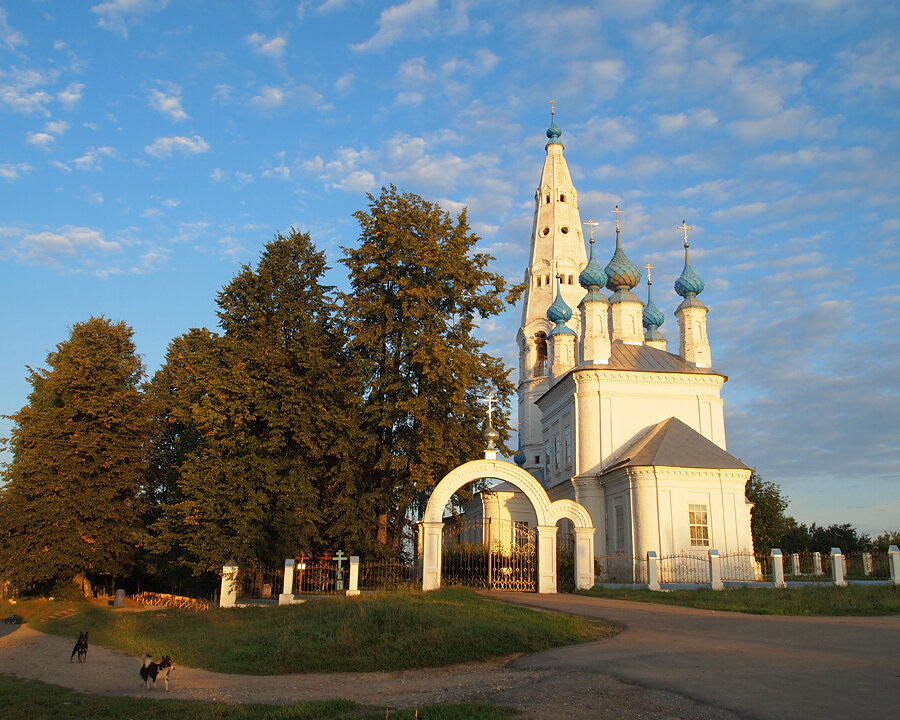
[147, 660]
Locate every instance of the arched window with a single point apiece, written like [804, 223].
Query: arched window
[571, 279]
[562, 197]
[538, 280]
[548, 198]
[540, 365]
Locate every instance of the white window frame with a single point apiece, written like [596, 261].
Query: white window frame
[698, 524]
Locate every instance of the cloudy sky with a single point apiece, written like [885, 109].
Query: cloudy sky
[149, 148]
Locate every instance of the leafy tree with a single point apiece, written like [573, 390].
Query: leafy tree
[886, 539]
[768, 523]
[418, 291]
[257, 441]
[846, 537]
[70, 505]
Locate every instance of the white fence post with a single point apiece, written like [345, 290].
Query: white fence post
[715, 571]
[778, 568]
[652, 571]
[353, 589]
[287, 592]
[867, 563]
[837, 567]
[894, 561]
[817, 563]
[228, 590]
[795, 563]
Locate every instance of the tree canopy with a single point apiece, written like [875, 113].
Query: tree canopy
[418, 291]
[71, 502]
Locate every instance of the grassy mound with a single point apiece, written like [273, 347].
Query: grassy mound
[393, 631]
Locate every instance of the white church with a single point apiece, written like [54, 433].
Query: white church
[608, 416]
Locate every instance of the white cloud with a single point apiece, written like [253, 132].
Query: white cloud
[358, 181]
[70, 240]
[600, 78]
[398, 21]
[9, 37]
[19, 90]
[218, 175]
[222, 93]
[40, 140]
[171, 203]
[56, 127]
[165, 146]
[269, 98]
[168, 103]
[612, 132]
[113, 14]
[91, 159]
[344, 82]
[273, 47]
[71, 96]
[787, 125]
[700, 118]
[9, 171]
[874, 67]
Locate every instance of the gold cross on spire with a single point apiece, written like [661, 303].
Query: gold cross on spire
[552, 108]
[648, 267]
[489, 401]
[590, 223]
[617, 212]
[684, 226]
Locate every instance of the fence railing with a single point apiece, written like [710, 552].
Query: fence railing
[172, 601]
[620, 568]
[683, 568]
[745, 566]
[387, 576]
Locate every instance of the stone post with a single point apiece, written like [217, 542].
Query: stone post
[715, 571]
[353, 589]
[867, 563]
[584, 558]
[287, 593]
[778, 568]
[795, 563]
[228, 590]
[431, 554]
[817, 563]
[652, 571]
[546, 558]
[837, 567]
[894, 562]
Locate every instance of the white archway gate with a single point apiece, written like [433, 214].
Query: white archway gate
[548, 514]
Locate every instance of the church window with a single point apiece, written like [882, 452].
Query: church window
[564, 230]
[540, 365]
[537, 459]
[620, 527]
[571, 279]
[548, 198]
[556, 452]
[562, 197]
[699, 522]
[545, 232]
[567, 441]
[547, 455]
[546, 279]
[538, 280]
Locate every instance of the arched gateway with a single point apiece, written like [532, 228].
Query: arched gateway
[547, 513]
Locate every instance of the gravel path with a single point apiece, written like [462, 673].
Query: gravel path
[539, 693]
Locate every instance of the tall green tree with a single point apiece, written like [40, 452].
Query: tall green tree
[257, 426]
[419, 289]
[768, 523]
[71, 502]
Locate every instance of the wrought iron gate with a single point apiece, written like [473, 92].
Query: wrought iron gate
[498, 555]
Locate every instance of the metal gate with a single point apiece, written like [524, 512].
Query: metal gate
[498, 555]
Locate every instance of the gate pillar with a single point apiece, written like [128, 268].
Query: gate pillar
[431, 554]
[546, 558]
[584, 558]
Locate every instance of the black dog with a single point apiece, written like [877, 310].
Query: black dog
[81, 648]
[151, 670]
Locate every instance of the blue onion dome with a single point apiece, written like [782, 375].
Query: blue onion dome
[689, 284]
[592, 278]
[652, 316]
[519, 457]
[553, 132]
[560, 313]
[621, 273]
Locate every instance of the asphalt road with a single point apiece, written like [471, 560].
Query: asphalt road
[753, 666]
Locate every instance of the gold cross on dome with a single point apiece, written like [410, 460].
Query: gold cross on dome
[552, 107]
[617, 212]
[590, 223]
[684, 226]
[489, 401]
[648, 267]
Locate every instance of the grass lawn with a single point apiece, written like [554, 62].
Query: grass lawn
[33, 700]
[392, 631]
[851, 600]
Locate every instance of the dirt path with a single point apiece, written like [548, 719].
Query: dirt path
[540, 694]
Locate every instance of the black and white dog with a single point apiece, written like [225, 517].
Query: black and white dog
[81, 648]
[151, 670]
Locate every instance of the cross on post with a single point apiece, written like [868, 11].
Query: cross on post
[590, 223]
[648, 267]
[617, 212]
[339, 578]
[684, 226]
[552, 107]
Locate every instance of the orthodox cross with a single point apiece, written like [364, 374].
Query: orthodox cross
[590, 223]
[489, 401]
[617, 212]
[648, 267]
[552, 108]
[684, 226]
[340, 557]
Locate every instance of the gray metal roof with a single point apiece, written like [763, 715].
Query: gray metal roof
[649, 359]
[672, 443]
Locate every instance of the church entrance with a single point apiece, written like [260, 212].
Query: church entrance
[492, 554]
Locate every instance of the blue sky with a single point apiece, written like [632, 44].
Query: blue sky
[150, 147]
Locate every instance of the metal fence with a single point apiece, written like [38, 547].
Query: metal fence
[807, 567]
[259, 583]
[868, 566]
[620, 568]
[387, 576]
[684, 568]
[744, 566]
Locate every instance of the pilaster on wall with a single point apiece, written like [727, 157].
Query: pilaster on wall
[546, 539]
[562, 351]
[625, 321]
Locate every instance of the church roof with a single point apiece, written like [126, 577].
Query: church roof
[672, 443]
[649, 359]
